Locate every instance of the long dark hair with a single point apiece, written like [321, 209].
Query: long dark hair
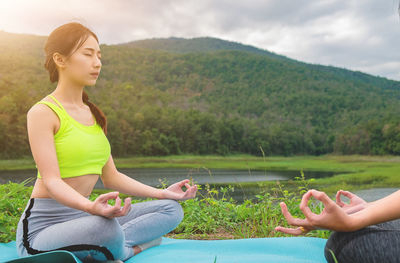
[65, 40]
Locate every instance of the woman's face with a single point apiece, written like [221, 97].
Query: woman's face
[83, 66]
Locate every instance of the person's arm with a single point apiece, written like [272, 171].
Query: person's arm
[113, 179]
[382, 210]
[41, 125]
[333, 217]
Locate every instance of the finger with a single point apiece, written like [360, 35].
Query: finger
[304, 204]
[195, 188]
[323, 197]
[125, 209]
[105, 197]
[291, 231]
[189, 193]
[186, 195]
[117, 205]
[290, 219]
[183, 182]
[348, 194]
[338, 199]
[193, 191]
[127, 205]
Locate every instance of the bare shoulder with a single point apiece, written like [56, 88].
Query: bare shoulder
[39, 110]
[43, 115]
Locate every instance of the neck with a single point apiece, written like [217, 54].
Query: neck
[69, 92]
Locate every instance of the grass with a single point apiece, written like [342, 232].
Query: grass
[18, 164]
[210, 217]
[214, 214]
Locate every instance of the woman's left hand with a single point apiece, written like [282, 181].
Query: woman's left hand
[175, 191]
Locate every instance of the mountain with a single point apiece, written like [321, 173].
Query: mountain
[209, 44]
[210, 96]
[196, 45]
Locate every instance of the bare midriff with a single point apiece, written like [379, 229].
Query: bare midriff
[82, 184]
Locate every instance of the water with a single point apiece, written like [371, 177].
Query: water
[374, 194]
[154, 176]
[222, 177]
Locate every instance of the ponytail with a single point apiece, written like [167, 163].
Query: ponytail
[98, 114]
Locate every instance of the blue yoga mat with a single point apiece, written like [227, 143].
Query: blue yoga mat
[290, 249]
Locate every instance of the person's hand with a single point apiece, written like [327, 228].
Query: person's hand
[301, 228]
[356, 203]
[332, 217]
[175, 191]
[101, 207]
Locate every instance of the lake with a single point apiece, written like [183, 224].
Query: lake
[153, 176]
[222, 177]
[156, 176]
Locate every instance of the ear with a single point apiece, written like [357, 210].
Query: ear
[59, 60]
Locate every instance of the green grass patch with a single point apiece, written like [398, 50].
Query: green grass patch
[213, 215]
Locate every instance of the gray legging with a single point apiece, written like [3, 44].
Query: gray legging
[47, 225]
[378, 243]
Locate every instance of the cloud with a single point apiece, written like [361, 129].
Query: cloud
[358, 35]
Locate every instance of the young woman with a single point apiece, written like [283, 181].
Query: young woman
[67, 136]
[364, 232]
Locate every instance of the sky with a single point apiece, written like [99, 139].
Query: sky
[361, 35]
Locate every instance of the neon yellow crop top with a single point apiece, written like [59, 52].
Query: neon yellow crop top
[80, 149]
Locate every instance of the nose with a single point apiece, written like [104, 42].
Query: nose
[97, 62]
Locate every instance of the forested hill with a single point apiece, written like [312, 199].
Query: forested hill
[209, 96]
[209, 44]
[193, 45]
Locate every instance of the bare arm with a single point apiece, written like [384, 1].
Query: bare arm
[42, 124]
[113, 179]
[382, 210]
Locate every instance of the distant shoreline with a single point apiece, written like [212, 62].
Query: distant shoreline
[353, 171]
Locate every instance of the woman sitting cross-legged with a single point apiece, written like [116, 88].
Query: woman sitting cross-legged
[67, 136]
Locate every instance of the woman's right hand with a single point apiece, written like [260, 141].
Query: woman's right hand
[332, 217]
[101, 207]
[356, 203]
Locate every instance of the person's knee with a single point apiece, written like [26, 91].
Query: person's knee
[108, 233]
[364, 245]
[331, 248]
[105, 229]
[174, 209]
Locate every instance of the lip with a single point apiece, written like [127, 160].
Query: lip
[95, 74]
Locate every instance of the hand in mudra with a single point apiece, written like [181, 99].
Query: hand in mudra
[332, 217]
[176, 192]
[101, 207]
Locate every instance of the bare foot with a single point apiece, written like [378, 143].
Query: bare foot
[139, 248]
[136, 250]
